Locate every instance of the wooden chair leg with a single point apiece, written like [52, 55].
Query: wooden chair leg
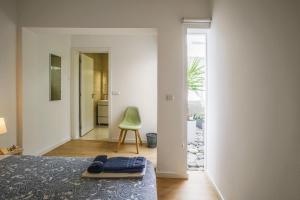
[123, 140]
[120, 139]
[140, 139]
[136, 142]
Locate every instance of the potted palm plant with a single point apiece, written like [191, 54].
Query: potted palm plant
[195, 83]
[199, 117]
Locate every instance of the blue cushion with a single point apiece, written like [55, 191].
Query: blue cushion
[96, 167]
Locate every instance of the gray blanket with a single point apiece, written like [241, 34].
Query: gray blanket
[37, 177]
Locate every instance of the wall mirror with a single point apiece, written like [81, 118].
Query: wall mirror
[55, 77]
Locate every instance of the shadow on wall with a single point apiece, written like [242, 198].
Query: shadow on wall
[8, 10]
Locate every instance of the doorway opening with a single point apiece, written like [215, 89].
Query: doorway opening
[196, 98]
[93, 96]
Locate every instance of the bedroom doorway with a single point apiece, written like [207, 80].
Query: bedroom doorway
[93, 96]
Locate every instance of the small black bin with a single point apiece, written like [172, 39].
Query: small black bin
[151, 140]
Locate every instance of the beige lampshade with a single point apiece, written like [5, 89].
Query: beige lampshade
[2, 126]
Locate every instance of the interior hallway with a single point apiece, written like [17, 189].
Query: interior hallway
[99, 133]
[197, 187]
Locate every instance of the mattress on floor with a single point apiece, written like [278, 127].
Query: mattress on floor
[106, 175]
[39, 177]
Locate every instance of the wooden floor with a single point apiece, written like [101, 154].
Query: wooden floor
[197, 187]
[90, 148]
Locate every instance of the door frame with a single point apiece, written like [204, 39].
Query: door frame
[75, 87]
[202, 30]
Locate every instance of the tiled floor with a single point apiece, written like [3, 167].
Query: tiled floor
[99, 133]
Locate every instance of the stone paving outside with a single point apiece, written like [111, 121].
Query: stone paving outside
[196, 152]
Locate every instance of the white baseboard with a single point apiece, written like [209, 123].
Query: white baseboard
[220, 196]
[50, 148]
[171, 175]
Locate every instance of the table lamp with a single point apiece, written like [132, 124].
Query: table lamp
[2, 126]
[2, 131]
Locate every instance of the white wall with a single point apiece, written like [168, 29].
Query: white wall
[45, 123]
[253, 99]
[133, 73]
[162, 14]
[8, 33]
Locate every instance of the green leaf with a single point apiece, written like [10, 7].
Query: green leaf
[195, 75]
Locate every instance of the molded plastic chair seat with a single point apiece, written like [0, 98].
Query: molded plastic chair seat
[129, 126]
[132, 122]
[131, 119]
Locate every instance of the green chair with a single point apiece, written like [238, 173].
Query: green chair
[130, 122]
